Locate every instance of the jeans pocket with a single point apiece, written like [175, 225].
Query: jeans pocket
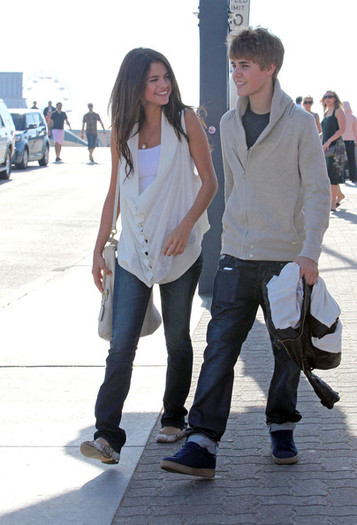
[226, 284]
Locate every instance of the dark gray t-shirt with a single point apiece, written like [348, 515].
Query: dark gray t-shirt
[254, 125]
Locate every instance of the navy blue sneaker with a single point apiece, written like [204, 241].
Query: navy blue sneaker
[192, 460]
[283, 447]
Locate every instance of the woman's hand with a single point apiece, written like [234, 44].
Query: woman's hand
[98, 270]
[177, 240]
[326, 146]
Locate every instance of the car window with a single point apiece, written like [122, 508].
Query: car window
[38, 119]
[19, 121]
[1, 122]
[30, 119]
[42, 120]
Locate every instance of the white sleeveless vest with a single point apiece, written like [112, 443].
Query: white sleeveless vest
[148, 218]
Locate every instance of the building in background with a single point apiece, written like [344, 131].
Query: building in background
[11, 90]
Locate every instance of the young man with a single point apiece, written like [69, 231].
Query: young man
[57, 120]
[90, 120]
[277, 205]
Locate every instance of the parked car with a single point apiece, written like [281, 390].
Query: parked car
[32, 141]
[7, 141]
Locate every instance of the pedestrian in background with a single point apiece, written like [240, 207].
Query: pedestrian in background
[57, 120]
[47, 112]
[307, 104]
[267, 143]
[49, 109]
[155, 141]
[333, 126]
[350, 139]
[90, 120]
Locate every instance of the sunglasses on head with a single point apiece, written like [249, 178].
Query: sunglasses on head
[329, 96]
[308, 102]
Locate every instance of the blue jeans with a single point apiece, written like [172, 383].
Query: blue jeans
[131, 297]
[237, 295]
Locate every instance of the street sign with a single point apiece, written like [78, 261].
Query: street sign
[239, 14]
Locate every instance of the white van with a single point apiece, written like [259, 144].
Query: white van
[7, 141]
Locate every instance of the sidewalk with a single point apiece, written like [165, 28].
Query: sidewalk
[249, 488]
[52, 363]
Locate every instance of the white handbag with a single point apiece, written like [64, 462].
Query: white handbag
[152, 318]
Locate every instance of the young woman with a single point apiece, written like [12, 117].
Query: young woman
[333, 126]
[307, 105]
[350, 140]
[156, 140]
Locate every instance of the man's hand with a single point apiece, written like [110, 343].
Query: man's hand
[308, 269]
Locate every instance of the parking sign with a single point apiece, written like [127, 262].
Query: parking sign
[239, 14]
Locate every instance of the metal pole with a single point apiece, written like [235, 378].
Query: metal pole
[213, 17]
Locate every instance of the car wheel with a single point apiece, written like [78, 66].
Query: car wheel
[25, 160]
[7, 171]
[44, 160]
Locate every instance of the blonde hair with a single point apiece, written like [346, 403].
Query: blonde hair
[337, 99]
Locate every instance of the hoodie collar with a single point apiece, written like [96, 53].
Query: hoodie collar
[281, 102]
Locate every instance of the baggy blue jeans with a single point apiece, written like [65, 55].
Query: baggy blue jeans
[131, 297]
[237, 295]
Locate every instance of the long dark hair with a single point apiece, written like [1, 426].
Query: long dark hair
[125, 100]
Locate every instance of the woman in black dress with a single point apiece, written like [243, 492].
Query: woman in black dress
[333, 125]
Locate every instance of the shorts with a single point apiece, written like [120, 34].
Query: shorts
[58, 136]
[92, 140]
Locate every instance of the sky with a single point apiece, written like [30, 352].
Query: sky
[81, 43]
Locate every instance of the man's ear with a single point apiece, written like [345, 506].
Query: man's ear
[270, 70]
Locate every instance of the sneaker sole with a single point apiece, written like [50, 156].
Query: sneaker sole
[91, 452]
[176, 468]
[285, 461]
[169, 438]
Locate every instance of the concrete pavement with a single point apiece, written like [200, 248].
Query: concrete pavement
[53, 363]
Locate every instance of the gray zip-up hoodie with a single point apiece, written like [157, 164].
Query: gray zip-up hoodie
[277, 193]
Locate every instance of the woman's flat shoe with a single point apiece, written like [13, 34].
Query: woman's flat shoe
[170, 435]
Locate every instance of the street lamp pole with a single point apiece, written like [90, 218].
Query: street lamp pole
[213, 23]
[216, 18]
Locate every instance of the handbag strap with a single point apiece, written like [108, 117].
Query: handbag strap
[115, 212]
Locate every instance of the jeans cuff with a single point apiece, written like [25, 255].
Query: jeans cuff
[204, 442]
[274, 427]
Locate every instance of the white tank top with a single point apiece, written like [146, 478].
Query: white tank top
[148, 163]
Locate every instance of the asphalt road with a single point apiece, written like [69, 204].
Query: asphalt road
[49, 218]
